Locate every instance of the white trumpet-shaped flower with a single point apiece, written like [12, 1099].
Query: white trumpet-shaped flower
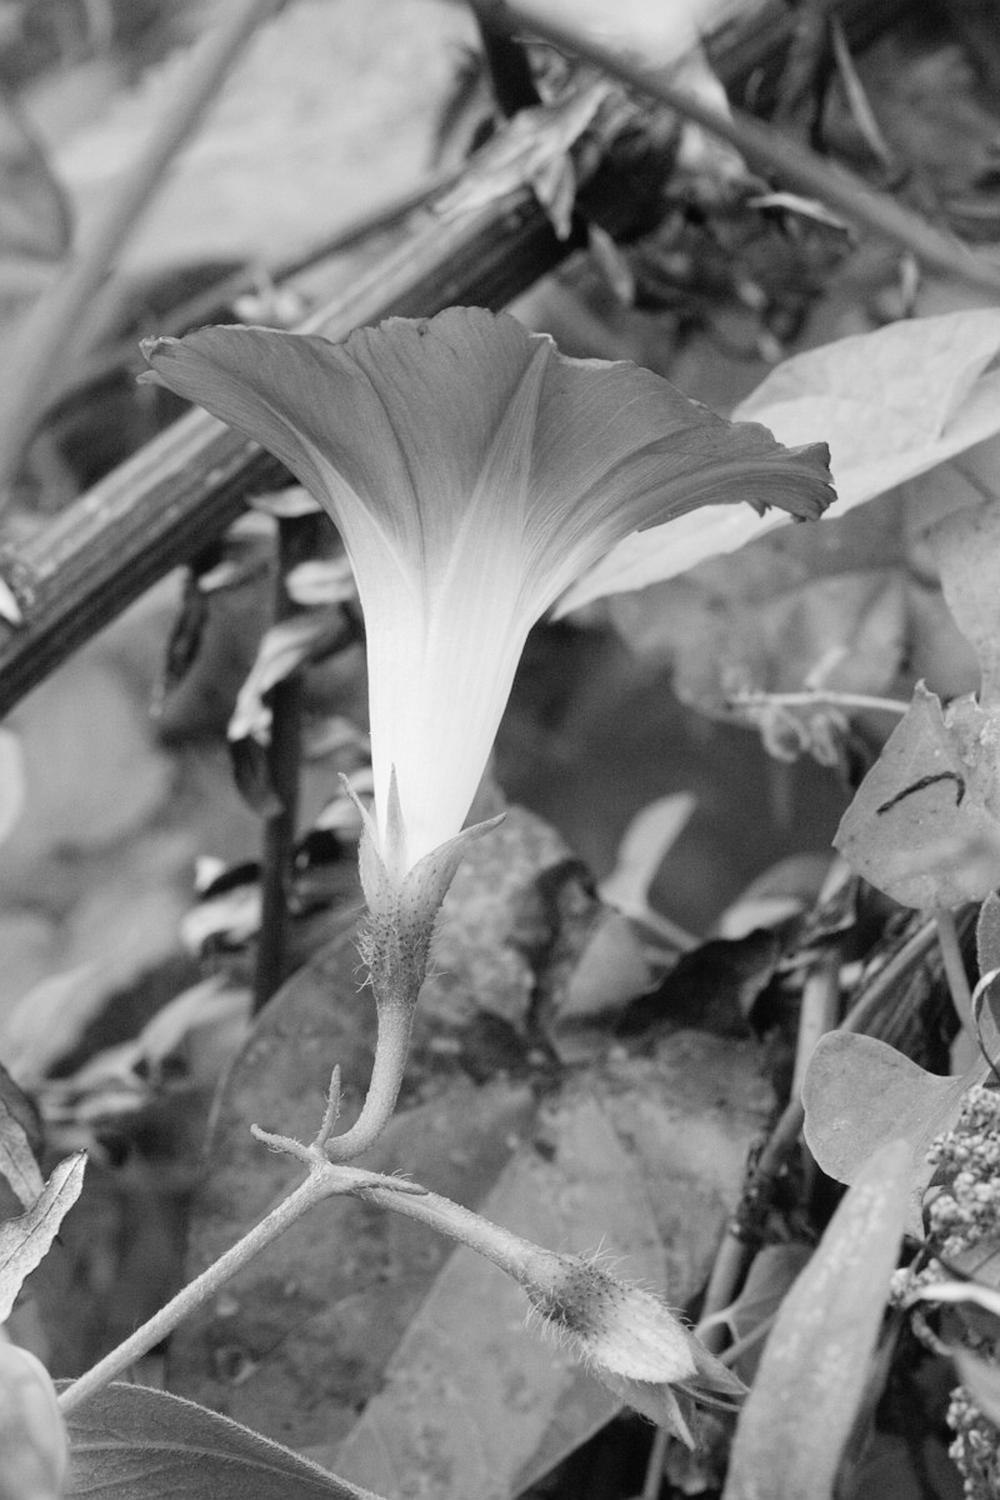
[474, 473]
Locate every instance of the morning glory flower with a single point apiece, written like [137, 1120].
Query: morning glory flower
[474, 473]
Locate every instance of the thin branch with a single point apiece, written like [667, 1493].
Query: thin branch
[317, 1186]
[860, 702]
[42, 339]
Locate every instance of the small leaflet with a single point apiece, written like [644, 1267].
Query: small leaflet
[17, 1160]
[25, 1241]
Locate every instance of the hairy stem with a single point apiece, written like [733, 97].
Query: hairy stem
[317, 1186]
[395, 1023]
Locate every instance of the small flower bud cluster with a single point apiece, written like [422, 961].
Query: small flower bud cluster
[975, 1451]
[964, 1212]
[968, 1157]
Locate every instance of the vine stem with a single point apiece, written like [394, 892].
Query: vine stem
[395, 1023]
[810, 699]
[318, 1185]
[515, 1255]
[40, 344]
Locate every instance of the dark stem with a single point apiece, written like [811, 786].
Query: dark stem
[510, 71]
[296, 541]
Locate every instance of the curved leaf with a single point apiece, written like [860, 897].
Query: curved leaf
[25, 1241]
[131, 1443]
[860, 1093]
[812, 1375]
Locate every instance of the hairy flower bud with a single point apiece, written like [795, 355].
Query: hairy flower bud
[629, 1339]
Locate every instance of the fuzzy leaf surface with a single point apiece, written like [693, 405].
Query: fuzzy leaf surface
[131, 1443]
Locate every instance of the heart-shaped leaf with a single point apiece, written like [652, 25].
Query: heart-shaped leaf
[924, 824]
[860, 1093]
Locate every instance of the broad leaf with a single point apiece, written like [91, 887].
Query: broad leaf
[813, 1372]
[891, 404]
[130, 1443]
[26, 1240]
[471, 1394]
[638, 1158]
[860, 1093]
[832, 607]
[924, 825]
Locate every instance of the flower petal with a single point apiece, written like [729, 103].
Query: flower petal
[474, 473]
